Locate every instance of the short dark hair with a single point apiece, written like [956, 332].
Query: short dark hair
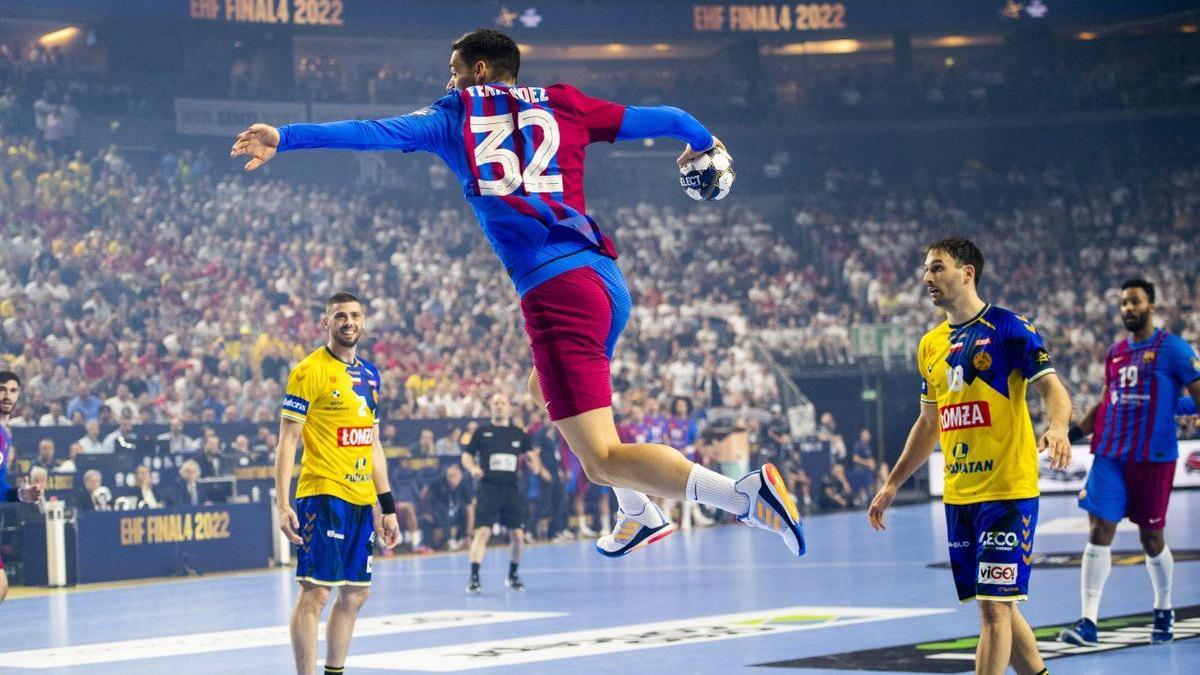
[1134, 282]
[7, 376]
[497, 49]
[339, 298]
[963, 251]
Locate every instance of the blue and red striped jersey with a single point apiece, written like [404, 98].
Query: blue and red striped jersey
[1143, 383]
[518, 153]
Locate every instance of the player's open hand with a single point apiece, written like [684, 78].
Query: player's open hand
[689, 154]
[259, 141]
[289, 525]
[388, 530]
[883, 499]
[1055, 441]
[29, 493]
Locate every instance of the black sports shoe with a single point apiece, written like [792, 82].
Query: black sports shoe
[473, 586]
[514, 582]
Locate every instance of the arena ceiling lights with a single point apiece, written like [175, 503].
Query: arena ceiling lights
[620, 51]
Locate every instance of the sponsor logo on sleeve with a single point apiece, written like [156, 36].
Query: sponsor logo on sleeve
[968, 415]
[295, 404]
[997, 574]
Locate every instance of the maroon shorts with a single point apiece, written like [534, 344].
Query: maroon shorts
[1149, 485]
[572, 328]
[1139, 491]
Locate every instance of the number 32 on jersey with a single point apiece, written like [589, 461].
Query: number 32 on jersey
[491, 151]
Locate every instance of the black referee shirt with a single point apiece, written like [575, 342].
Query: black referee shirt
[497, 450]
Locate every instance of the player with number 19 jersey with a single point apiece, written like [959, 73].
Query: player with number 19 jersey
[1143, 384]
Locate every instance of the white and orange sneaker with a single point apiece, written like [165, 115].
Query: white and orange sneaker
[634, 532]
[771, 506]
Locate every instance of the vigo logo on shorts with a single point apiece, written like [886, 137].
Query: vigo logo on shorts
[355, 436]
[997, 574]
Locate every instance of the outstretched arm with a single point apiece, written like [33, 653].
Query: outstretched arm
[421, 130]
[664, 120]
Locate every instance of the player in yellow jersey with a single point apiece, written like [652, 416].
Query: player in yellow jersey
[975, 367]
[332, 402]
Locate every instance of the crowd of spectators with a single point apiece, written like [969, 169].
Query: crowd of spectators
[181, 294]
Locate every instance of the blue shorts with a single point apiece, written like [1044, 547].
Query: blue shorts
[1140, 491]
[337, 544]
[991, 548]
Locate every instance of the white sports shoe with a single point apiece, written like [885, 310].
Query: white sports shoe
[630, 534]
[771, 506]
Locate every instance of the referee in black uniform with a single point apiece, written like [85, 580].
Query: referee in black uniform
[493, 457]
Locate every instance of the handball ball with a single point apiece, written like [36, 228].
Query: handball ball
[709, 176]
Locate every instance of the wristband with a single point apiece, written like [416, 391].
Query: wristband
[1074, 433]
[386, 503]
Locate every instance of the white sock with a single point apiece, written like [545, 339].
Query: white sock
[1097, 563]
[1162, 569]
[705, 486]
[636, 506]
[415, 538]
[405, 537]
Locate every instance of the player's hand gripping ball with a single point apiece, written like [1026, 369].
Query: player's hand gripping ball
[708, 176]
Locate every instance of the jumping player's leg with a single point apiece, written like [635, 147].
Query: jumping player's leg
[651, 468]
[340, 628]
[3, 583]
[573, 322]
[646, 467]
[305, 617]
[631, 501]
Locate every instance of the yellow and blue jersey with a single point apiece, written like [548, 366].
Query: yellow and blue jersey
[338, 404]
[977, 373]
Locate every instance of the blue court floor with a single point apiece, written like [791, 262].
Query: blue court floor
[711, 601]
